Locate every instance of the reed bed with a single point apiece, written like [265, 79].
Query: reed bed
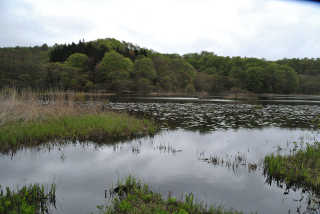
[239, 94]
[299, 169]
[28, 119]
[133, 195]
[26, 105]
[31, 199]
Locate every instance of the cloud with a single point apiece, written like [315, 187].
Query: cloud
[252, 28]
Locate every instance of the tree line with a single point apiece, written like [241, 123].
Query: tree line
[122, 67]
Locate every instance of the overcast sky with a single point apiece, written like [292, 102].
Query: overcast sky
[252, 28]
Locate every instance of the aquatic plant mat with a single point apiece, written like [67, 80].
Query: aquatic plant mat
[208, 117]
[29, 199]
[27, 121]
[133, 195]
[299, 169]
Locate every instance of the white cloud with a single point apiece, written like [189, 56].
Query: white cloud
[252, 28]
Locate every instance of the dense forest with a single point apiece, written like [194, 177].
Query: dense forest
[108, 65]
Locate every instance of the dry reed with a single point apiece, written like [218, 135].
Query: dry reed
[25, 106]
[236, 93]
[29, 119]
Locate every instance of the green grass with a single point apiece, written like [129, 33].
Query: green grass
[84, 127]
[28, 200]
[136, 196]
[257, 107]
[300, 169]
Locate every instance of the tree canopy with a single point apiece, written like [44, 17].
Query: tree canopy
[119, 66]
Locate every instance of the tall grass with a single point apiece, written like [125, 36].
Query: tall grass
[300, 169]
[26, 105]
[29, 199]
[28, 118]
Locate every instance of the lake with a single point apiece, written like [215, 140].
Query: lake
[179, 158]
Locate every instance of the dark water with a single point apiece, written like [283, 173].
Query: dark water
[173, 160]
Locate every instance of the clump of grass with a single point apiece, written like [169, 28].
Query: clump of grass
[257, 107]
[135, 196]
[25, 120]
[84, 127]
[300, 169]
[29, 199]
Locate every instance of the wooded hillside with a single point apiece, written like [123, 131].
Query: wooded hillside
[121, 67]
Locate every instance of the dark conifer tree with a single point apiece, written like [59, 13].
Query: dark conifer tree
[136, 52]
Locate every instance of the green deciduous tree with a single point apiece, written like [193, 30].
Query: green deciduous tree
[239, 75]
[269, 75]
[292, 81]
[202, 82]
[185, 73]
[114, 62]
[309, 84]
[165, 83]
[78, 60]
[190, 89]
[254, 78]
[144, 85]
[280, 81]
[58, 75]
[160, 64]
[143, 68]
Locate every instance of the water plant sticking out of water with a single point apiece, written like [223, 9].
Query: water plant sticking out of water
[29, 199]
[135, 150]
[118, 147]
[238, 160]
[163, 148]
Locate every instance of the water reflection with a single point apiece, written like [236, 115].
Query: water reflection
[170, 160]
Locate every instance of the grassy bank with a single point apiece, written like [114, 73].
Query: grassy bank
[133, 195]
[29, 199]
[26, 121]
[300, 169]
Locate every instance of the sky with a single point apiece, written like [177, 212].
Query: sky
[269, 29]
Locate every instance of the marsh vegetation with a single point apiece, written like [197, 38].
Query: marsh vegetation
[31, 199]
[204, 150]
[26, 120]
[299, 169]
[134, 195]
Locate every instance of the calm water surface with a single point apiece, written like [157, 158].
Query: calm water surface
[173, 160]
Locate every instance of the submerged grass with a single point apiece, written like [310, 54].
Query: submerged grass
[133, 195]
[299, 169]
[29, 199]
[27, 121]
